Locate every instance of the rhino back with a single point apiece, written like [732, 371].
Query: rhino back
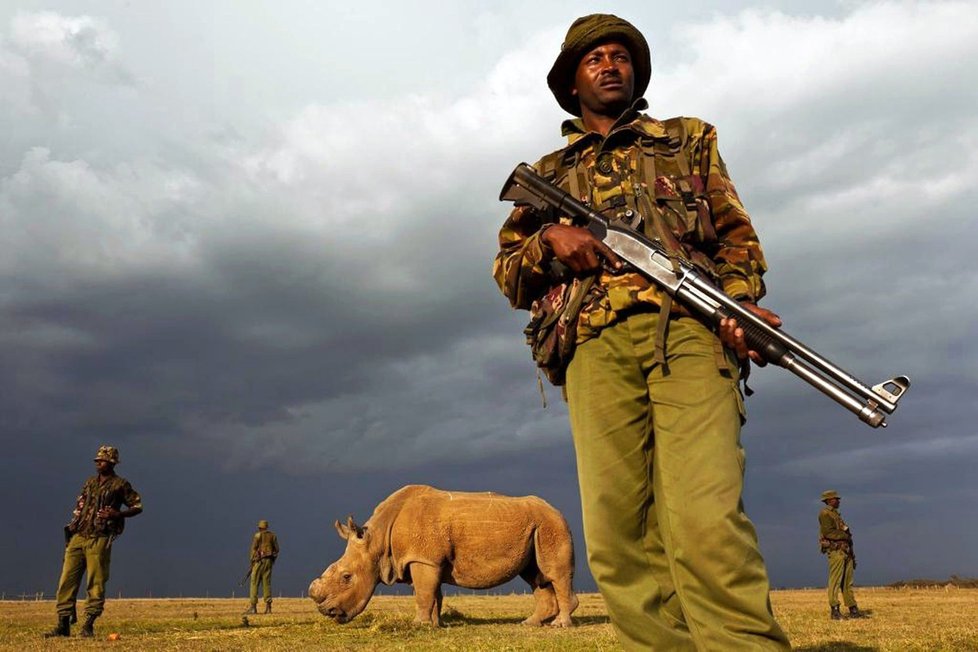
[388, 509]
[479, 539]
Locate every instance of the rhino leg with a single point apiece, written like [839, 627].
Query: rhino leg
[567, 602]
[555, 561]
[427, 593]
[544, 599]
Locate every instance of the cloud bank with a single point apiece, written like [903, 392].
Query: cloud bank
[324, 284]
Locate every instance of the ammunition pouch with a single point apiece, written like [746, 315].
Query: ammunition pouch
[828, 545]
[552, 331]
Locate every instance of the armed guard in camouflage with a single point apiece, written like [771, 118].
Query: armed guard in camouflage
[835, 541]
[97, 521]
[264, 552]
[653, 395]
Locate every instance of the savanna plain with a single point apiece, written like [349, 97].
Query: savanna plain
[900, 620]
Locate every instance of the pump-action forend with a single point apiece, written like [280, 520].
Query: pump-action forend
[710, 305]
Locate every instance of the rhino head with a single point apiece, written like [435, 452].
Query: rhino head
[345, 588]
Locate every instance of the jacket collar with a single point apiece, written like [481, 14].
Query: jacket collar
[631, 120]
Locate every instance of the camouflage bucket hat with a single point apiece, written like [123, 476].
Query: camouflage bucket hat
[263, 523]
[107, 453]
[585, 34]
[829, 495]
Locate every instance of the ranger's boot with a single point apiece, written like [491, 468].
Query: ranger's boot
[855, 613]
[251, 610]
[836, 614]
[268, 607]
[88, 629]
[63, 628]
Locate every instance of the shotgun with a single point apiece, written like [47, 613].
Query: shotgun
[686, 284]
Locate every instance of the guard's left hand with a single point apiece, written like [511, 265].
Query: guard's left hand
[109, 513]
[733, 336]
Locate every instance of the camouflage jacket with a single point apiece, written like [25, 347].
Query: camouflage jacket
[114, 492]
[692, 197]
[264, 544]
[833, 532]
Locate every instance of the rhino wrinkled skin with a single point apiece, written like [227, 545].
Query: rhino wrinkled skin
[425, 537]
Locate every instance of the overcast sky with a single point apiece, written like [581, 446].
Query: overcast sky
[250, 245]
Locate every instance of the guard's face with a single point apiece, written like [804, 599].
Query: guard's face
[605, 80]
[103, 466]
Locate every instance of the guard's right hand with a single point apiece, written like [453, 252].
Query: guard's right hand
[578, 249]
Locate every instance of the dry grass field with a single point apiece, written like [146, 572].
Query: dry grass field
[901, 620]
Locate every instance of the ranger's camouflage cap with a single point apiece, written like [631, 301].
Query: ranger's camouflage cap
[263, 523]
[830, 494]
[584, 34]
[107, 453]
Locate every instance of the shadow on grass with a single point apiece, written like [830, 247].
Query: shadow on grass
[451, 617]
[839, 646]
[459, 619]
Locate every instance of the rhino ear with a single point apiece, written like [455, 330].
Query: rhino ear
[342, 530]
[351, 529]
[355, 529]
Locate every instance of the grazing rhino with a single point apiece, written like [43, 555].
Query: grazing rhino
[425, 537]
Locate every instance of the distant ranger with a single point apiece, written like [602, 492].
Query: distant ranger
[835, 540]
[96, 522]
[264, 552]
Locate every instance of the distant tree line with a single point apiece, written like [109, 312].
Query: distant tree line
[954, 580]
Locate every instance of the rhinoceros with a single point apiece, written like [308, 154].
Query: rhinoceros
[424, 536]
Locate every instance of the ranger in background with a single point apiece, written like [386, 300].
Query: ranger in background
[97, 521]
[264, 552]
[835, 541]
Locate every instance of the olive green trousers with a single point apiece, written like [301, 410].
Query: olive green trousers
[660, 468]
[90, 555]
[841, 570]
[261, 572]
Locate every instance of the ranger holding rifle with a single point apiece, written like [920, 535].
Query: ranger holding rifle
[653, 394]
[97, 520]
[633, 213]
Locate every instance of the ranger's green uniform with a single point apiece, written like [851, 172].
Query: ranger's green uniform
[835, 541]
[655, 407]
[89, 538]
[264, 552]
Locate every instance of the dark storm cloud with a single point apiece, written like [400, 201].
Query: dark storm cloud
[310, 301]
